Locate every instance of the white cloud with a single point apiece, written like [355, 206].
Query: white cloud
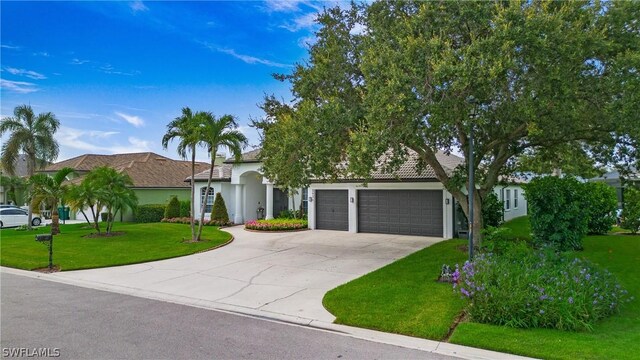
[97, 141]
[9, 47]
[42, 53]
[306, 21]
[20, 87]
[109, 69]
[250, 59]
[76, 61]
[131, 119]
[137, 6]
[306, 42]
[282, 5]
[28, 73]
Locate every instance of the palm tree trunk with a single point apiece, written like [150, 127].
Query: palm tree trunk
[96, 214]
[31, 167]
[193, 194]
[206, 194]
[85, 217]
[55, 221]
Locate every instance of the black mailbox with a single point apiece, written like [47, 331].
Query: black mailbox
[44, 237]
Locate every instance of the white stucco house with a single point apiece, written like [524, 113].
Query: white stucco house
[406, 202]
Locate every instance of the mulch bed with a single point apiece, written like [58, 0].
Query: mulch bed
[46, 270]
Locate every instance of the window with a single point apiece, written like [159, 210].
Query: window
[210, 198]
[507, 200]
[515, 198]
[305, 200]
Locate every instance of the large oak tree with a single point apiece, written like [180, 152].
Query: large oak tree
[395, 76]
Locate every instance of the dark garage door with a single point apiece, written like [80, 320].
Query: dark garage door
[332, 212]
[405, 212]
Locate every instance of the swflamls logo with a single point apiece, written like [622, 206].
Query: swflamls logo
[24, 352]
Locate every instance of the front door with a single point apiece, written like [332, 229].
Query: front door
[280, 202]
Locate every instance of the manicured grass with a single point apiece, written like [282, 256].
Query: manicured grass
[72, 251]
[404, 298]
[617, 337]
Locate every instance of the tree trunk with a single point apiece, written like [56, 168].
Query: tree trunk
[96, 215]
[192, 210]
[206, 194]
[477, 216]
[55, 221]
[85, 216]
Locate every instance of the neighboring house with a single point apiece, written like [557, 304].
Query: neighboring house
[618, 182]
[156, 178]
[20, 170]
[405, 202]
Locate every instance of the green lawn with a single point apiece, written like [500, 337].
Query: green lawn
[73, 251]
[404, 298]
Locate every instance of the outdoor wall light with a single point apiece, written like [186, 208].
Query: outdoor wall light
[352, 200]
[310, 198]
[446, 201]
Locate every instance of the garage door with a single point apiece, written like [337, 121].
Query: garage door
[332, 212]
[405, 212]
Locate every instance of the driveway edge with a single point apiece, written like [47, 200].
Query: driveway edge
[436, 347]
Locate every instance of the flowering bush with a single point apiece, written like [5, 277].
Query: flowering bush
[527, 289]
[187, 220]
[276, 224]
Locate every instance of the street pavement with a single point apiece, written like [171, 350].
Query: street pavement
[81, 323]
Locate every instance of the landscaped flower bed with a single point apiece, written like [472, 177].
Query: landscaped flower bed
[277, 225]
[530, 289]
[186, 220]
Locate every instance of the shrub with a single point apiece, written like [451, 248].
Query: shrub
[187, 220]
[219, 210]
[631, 211]
[277, 224]
[557, 212]
[492, 210]
[537, 289]
[185, 208]
[497, 240]
[601, 206]
[173, 208]
[291, 214]
[149, 213]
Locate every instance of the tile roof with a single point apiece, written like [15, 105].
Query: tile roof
[220, 173]
[252, 156]
[408, 170]
[147, 170]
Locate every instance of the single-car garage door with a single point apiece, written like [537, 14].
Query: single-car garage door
[332, 210]
[405, 212]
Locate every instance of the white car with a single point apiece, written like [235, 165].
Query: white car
[15, 217]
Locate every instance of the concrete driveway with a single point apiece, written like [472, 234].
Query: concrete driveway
[281, 275]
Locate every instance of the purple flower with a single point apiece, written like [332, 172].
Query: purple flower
[570, 300]
[465, 292]
[456, 275]
[543, 297]
[541, 311]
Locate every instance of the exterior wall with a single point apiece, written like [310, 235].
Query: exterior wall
[254, 195]
[224, 188]
[151, 196]
[513, 211]
[352, 188]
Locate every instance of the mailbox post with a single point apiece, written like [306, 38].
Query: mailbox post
[47, 239]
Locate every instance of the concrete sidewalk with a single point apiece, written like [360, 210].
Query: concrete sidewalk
[275, 276]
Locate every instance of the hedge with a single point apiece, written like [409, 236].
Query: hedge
[173, 208]
[149, 213]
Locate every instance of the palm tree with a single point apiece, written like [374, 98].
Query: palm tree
[31, 135]
[12, 185]
[52, 191]
[82, 196]
[112, 190]
[214, 133]
[185, 128]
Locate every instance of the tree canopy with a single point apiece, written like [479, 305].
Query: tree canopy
[394, 76]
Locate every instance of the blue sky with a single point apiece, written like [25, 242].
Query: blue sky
[115, 73]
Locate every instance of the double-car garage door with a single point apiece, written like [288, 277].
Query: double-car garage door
[405, 212]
